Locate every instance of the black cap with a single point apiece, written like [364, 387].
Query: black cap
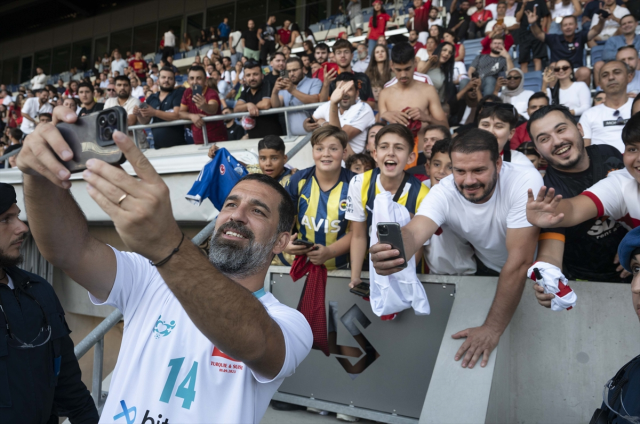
[7, 197]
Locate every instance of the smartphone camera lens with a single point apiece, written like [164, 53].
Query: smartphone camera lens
[102, 121]
[383, 230]
[113, 118]
[107, 133]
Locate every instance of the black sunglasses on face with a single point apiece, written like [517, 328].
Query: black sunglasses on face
[514, 78]
[562, 68]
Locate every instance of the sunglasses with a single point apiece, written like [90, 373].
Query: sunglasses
[619, 119]
[514, 78]
[111, 89]
[562, 68]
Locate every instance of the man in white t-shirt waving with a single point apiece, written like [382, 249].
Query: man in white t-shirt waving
[203, 341]
[483, 202]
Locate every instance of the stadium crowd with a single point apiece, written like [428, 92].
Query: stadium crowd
[468, 152]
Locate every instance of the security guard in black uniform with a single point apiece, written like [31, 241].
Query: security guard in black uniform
[39, 374]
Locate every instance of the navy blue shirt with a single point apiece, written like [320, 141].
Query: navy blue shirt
[562, 49]
[167, 136]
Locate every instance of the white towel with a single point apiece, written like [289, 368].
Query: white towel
[554, 282]
[402, 290]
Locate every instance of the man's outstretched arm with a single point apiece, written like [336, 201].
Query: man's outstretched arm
[550, 211]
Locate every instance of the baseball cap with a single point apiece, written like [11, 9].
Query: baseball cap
[7, 197]
[629, 247]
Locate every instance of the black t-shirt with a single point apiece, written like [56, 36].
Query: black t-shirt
[97, 107]
[456, 17]
[364, 85]
[167, 136]
[251, 39]
[542, 10]
[573, 51]
[268, 33]
[591, 246]
[265, 124]
[235, 132]
[590, 9]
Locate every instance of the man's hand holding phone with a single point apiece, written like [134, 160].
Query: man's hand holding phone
[298, 247]
[385, 259]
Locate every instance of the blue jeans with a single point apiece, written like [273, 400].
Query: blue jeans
[372, 47]
[487, 85]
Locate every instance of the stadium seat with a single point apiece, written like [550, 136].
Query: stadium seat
[533, 81]
[314, 28]
[596, 54]
[472, 49]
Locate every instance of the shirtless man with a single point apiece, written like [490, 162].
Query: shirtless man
[409, 89]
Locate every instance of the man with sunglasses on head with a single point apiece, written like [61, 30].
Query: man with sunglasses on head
[40, 378]
[603, 124]
[629, 55]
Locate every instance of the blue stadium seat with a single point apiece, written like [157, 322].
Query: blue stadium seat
[157, 58]
[533, 81]
[192, 53]
[596, 54]
[314, 27]
[472, 49]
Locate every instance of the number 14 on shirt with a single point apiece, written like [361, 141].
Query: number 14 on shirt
[186, 389]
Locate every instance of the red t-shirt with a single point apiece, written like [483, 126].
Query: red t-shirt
[421, 17]
[285, 35]
[417, 47]
[486, 44]
[375, 33]
[519, 136]
[216, 130]
[483, 15]
[139, 66]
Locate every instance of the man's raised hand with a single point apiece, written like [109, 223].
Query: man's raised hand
[542, 210]
[341, 88]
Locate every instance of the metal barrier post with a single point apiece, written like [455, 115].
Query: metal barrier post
[96, 380]
[135, 138]
[286, 123]
[205, 136]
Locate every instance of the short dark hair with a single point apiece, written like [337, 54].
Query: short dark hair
[197, 68]
[628, 16]
[628, 47]
[347, 76]
[87, 85]
[168, 69]
[505, 112]
[116, 79]
[278, 54]
[441, 146]
[362, 157]
[444, 130]
[16, 133]
[272, 142]
[326, 131]
[99, 90]
[342, 44]
[286, 208]
[570, 17]
[528, 148]
[631, 130]
[476, 140]
[46, 115]
[250, 64]
[321, 46]
[400, 130]
[538, 95]
[294, 59]
[402, 53]
[544, 111]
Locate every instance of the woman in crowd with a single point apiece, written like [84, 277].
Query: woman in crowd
[514, 92]
[186, 44]
[426, 52]
[437, 32]
[206, 62]
[308, 47]
[286, 51]
[136, 87]
[440, 67]
[449, 37]
[296, 37]
[379, 69]
[308, 36]
[563, 89]
[72, 89]
[377, 25]
[151, 85]
[600, 97]
[98, 95]
[204, 38]
[15, 116]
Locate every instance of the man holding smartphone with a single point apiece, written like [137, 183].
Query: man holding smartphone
[491, 216]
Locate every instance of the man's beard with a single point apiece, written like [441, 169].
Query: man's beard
[234, 260]
[123, 95]
[484, 195]
[495, 51]
[166, 89]
[7, 261]
[567, 166]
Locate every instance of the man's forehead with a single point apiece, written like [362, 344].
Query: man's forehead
[472, 159]
[550, 120]
[247, 191]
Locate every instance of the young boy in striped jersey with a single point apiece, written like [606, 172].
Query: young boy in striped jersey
[320, 195]
[393, 150]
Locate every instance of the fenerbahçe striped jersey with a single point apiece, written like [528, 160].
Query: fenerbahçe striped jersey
[362, 193]
[321, 214]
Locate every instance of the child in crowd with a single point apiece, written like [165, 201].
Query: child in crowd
[360, 163]
[501, 119]
[320, 195]
[394, 145]
[528, 149]
[446, 253]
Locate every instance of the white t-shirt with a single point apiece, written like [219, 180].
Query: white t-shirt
[104, 84]
[137, 92]
[169, 39]
[459, 71]
[617, 196]
[448, 254]
[520, 158]
[32, 108]
[422, 54]
[485, 225]
[167, 367]
[128, 105]
[603, 127]
[577, 97]
[359, 116]
[118, 65]
[610, 26]
[509, 21]
[234, 37]
[437, 21]
[521, 102]
[355, 209]
[38, 81]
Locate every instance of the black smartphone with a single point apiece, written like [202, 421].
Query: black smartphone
[304, 243]
[390, 233]
[362, 289]
[474, 74]
[603, 13]
[284, 74]
[196, 89]
[143, 106]
[91, 137]
[311, 120]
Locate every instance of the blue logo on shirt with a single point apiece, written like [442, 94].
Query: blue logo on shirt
[162, 329]
[125, 413]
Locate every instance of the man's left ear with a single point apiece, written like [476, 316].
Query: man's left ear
[283, 241]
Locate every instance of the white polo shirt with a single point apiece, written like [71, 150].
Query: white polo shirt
[32, 108]
[485, 225]
[603, 125]
[617, 196]
[167, 368]
[359, 116]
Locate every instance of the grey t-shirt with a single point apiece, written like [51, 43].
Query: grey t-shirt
[354, 9]
[489, 66]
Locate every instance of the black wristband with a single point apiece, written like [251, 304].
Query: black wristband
[165, 260]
